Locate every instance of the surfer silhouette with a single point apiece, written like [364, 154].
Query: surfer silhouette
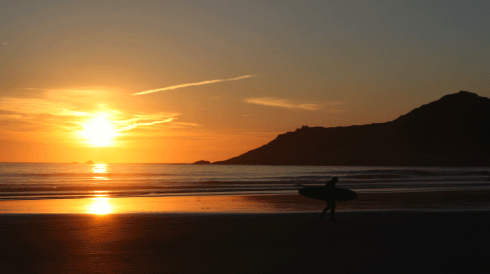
[330, 194]
[330, 197]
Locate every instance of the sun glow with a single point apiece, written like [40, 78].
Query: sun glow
[99, 132]
[100, 206]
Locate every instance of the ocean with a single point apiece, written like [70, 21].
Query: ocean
[29, 181]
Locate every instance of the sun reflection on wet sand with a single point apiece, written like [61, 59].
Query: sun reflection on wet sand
[100, 206]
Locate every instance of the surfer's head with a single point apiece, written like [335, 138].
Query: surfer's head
[332, 182]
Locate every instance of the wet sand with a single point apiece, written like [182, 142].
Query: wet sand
[361, 242]
[444, 200]
[377, 233]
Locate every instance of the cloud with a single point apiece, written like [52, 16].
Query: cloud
[79, 94]
[129, 127]
[39, 116]
[145, 120]
[43, 115]
[283, 103]
[193, 84]
[39, 106]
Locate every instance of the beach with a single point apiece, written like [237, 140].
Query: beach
[428, 237]
[265, 203]
[244, 137]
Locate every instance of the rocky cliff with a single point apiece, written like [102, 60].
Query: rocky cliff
[452, 131]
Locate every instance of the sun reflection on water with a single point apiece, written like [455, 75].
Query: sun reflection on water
[99, 169]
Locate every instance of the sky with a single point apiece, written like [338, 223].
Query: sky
[182, 81]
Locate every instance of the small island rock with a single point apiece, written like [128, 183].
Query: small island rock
[202, 162]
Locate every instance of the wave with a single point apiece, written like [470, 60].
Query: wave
[41, 181]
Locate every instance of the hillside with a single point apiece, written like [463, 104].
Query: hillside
[452, 131]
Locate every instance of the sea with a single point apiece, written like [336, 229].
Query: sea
[34, 181]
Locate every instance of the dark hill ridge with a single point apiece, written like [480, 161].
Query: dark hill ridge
[452, 131]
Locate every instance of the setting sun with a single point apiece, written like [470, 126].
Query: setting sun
[99, 132]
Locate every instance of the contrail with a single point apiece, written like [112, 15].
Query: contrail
[193, 84]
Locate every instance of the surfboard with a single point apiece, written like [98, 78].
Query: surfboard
[321, 193]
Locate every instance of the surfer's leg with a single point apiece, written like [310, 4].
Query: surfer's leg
[332, 212]
[323, 213]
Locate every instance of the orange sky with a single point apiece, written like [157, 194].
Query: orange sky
[188, 80]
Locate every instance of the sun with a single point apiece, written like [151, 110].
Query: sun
[99, 132]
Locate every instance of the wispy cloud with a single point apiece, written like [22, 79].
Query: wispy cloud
[129, 127]
[40, 115]
[193, 84]
[39, 106]
[145, 120]
[283, 103]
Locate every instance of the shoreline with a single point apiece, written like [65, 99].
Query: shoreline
[263, 203]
